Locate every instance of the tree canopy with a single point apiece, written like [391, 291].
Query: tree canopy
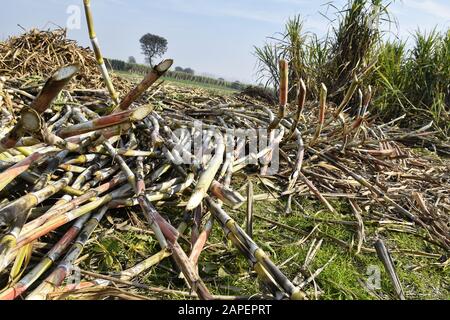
[153, 46]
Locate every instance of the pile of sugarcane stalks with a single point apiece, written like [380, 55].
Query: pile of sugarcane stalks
[38, 53]
[71, 155]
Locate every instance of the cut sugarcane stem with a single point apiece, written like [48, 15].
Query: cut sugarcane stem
[284, 90]
[301, 100]
[348, 96]
[258, 254]
[127, 116]
[148, 80]
[98, 54]
[207, 176]
[30, 120]
[53, 87]
[388, 263]
[249, 221]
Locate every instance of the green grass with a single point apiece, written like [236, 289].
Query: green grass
[215, 89]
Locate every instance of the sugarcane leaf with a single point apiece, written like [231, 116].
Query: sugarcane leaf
[20, 263]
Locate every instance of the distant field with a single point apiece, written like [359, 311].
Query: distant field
[185, 83]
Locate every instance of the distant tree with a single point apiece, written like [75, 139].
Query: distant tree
[189, 70]
[179, 69]
[153, 46]
[131, 59]
[221, 79]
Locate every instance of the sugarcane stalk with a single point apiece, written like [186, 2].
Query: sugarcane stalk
[260, 270]
[67, 217]
[249, 221]
[30, 120]
[20, 167]
[88, 173]
[298, 162]
[301, 99]
[258, 253]
[225, 194]
[207, 176]
[128, 116]
[123, 165]
[145, 204]
[348, 96]
[316, 192]
[386, 259]
[199, 244]
[65, 266]
[50, 258]
[148, 80]
[21, 206]
[178, 254]
[52, 166]
[360, 227]
[98, 54]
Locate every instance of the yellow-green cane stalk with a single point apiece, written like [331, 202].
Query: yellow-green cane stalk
[207, 176]
[123, 165]
[98, 54]
[15, 214]
[21, 206]
[301, 99]
[66, 265]
[260, 256]
[348, 96]
[50, 258]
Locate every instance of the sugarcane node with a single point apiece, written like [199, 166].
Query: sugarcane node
[31, 121]
[298, 295]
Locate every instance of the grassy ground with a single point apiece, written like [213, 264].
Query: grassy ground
[184, 83]
[226, 271]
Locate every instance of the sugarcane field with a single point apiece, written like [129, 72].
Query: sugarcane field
[324, 177]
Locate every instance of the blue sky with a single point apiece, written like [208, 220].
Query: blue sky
[210, 36]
